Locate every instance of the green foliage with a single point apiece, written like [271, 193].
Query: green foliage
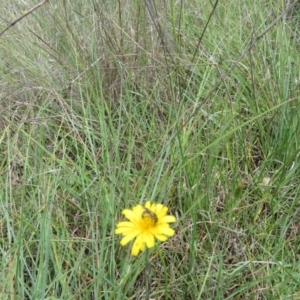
[105, 105]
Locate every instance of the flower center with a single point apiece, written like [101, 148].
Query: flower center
[149, 218]
[148, 221]
[148, 213]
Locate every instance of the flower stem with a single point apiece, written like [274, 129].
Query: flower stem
[148, 275]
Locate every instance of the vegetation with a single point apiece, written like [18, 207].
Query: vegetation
[106, 104]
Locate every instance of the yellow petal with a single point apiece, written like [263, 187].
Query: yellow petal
[137, 246]
[165, 230]
[125, 225]
[126, 239]
[129, 214]
[161, 237]
[168, 219]
[149, 240]
[124, 230]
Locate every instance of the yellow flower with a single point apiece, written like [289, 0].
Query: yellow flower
[145, 224]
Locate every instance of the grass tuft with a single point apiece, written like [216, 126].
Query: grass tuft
[194, 105]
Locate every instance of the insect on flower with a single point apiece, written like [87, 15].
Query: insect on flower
[145, 225]
[147, 213]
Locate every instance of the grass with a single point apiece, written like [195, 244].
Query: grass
[103, 107]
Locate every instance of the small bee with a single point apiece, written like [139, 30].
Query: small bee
[148, 213]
